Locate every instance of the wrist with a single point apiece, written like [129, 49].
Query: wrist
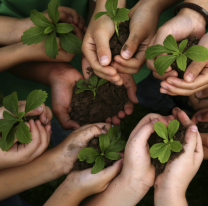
[202, 3]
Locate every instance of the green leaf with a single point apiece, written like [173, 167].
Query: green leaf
[176, 53]
[39, 19]
[163, 62]
[93, 80]
[197, 53]
[9, 116]
[5, 145]
[182, 45]
[173, 128]
[116, 146]
[181, 61]
[6, 126]
[51, 45]
[23, 133]
[170, 43]
[111, 6]
[20, 115]
[121, 15]
[156, 149]
[165, 154]
[71, 43]
[113, 132]
[99, 165]
[104, 142]
[63, 28]
[154, 51]
[34, 35]
[161, 130]
[79, 91]
[88, 154]
[101, 82]
[80, 84]
[49, 29]
[53, 12]
[113, 156]
[176, 146]
[99, 14]
[35, 99]
[10, 102]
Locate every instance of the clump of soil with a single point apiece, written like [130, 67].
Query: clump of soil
[93, 143]
[203, 127]
[117, 44]
[193, 41]
[109, 100]
[154, 138]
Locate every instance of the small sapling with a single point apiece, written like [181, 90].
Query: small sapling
[14, 122]
[162, 151]
[195, 53]
[92, 85]
[110, 145]
[117, 14]
[49, 29]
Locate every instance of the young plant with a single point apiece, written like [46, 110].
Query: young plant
[92, 85]
[117, 15]
[162, 151]
[49, 29]
[195, 53]
[109, 144]
[14, 122]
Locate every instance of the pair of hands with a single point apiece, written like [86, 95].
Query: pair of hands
[20, 154]
[186, 24]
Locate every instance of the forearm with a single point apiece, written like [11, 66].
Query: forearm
[41, 170]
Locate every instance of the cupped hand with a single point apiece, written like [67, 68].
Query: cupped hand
[173, 182]
[186, 24]
[62, 80]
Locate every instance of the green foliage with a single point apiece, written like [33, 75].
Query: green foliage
[110, 145]
[92, 85]
[162, 151]
[49, 29]
[117, 14]
[195, 53]
[13, 121]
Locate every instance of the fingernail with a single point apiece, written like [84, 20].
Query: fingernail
[165, 87]
[163, 91]
[46, 120]
[199, 94]
[39, 109]
[194, 128]
[169, 82]
[115, 67]
[199, 117]
[155, 120]
[104, 60]
[189, 77]
[70, 19]
[176, 109]
[126, 54]
[104, 131]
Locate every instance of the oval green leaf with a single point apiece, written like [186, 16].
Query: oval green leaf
[101, 82]
[10, 102]
[165, 154]
[156, 149]
[104, 142]
[161, 130]
[170, 43]
[117, 146]
[88, 154]
[49, 29]
[93, 80]
[99, 165]
[181, 61]
[176, 146]
[182, 45]
[173, 128]
[113, 132]
[113, 156]
[63, 28]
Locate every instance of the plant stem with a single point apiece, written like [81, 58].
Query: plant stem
[117, 28]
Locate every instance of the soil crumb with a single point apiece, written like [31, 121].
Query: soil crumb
[203, 127]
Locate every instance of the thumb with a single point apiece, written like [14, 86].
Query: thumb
[202, 94]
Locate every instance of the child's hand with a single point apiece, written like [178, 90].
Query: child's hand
[171, 185]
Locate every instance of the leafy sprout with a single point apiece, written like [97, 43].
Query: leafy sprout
[162, 151]
[92, 85]
[14, 121]
[49, 29]
[195, 53]
[117, 15]
[110, 145]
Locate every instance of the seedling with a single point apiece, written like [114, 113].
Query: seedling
[117, 15]
[109, 144]
[195, 53]
[92, 85]
[14, 122]
[162, 151]
[49, 29]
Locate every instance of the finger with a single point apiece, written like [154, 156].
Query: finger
[128, 108]
[202, 116]
[70, 13]
[108, 120]
[78, 32]
[202, 94]
[49, 132]
[85, 66]
[121, 114]
[116, 120]
[172, 73]
[43, 116]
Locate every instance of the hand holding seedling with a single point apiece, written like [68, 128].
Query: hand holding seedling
[171, 185]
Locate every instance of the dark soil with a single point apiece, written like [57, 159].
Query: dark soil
[93, 143]
[109, 100]
[117, 44]
[203, 127]
[154, 138]
[193, 41]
